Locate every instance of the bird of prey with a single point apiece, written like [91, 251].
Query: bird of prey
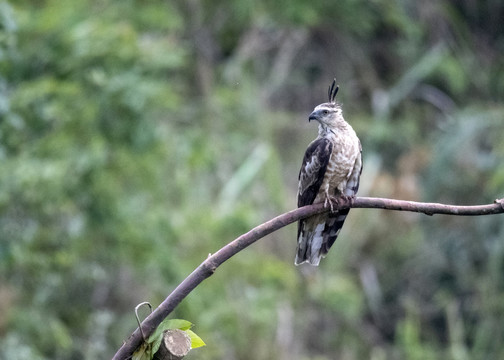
[331, 166]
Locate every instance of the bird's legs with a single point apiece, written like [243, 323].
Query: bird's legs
[328, 200]
[348, 199]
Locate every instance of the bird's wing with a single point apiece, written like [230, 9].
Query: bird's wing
[311, 177]
[311, 174]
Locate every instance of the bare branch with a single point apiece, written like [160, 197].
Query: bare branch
[429, 208]
[208, 267]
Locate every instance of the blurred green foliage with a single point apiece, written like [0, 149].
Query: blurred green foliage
[136, 137]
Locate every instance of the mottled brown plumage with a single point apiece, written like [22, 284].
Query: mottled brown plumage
[331, 167]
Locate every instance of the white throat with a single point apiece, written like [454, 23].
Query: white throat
[324, 130]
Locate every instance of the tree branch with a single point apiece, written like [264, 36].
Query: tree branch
[208, 267]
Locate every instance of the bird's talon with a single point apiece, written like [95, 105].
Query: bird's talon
[330, 202]
[349, 199]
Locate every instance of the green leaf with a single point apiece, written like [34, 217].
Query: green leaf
[143, 353]
[179, 324]
[196, 341]
[156, 344]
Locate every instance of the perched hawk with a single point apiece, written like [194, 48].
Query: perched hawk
[331, 166]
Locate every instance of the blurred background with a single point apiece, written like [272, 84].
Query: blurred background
[138, 136]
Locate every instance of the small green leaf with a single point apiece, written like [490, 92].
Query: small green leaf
[156, 344]
[142, 353]
[180, 324]
[196, 341]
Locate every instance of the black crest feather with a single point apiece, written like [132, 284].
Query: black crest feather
[333, 90]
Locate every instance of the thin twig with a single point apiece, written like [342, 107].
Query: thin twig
[208, 267]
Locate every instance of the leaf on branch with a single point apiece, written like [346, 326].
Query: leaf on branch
[143, 353]
[196, 341]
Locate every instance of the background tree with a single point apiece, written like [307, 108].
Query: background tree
[136, 137]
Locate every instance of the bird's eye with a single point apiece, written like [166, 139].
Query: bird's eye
[325, 112]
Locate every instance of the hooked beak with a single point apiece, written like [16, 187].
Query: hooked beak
[313, 116]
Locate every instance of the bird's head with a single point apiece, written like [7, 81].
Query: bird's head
[328, 114]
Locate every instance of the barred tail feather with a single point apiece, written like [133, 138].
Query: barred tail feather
[334, 225]
[310, 244]
[315, 238]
